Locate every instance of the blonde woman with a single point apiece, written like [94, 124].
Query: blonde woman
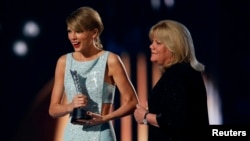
[177, 105]
[98, 73]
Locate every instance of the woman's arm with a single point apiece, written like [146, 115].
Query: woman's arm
[142, 116]
[129, 99]
[57, 108]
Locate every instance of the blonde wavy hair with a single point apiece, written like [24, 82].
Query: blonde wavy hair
[177, 38]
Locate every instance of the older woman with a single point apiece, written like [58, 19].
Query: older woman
[177, 105]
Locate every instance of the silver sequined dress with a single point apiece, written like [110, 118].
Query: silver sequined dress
[91, 77]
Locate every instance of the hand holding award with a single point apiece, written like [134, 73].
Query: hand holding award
[79, 115]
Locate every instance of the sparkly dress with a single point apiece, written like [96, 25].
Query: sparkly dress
[91, 78]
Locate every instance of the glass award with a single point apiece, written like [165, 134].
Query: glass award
[79, 115]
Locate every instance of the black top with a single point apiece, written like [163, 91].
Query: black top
[179, 99]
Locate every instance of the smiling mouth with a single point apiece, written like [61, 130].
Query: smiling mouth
[76, 45]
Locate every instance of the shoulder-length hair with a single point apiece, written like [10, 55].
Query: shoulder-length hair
[177, 38]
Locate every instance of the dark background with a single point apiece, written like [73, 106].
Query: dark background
[219, 29]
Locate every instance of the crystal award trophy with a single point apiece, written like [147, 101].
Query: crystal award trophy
[79, 115]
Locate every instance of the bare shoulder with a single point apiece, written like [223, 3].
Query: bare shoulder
[115, 64]
[61, 60]
[113, 59]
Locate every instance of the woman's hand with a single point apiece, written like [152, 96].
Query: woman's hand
[79, 101]
[139, 113]
[95, 119]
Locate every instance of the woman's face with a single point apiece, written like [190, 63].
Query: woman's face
[159, 53]
[81, 40]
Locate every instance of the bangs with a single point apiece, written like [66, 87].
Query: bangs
[159, 33]
[73, 24]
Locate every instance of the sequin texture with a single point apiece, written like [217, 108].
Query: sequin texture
[91, 77]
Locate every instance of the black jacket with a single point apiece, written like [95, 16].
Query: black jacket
[179, 99]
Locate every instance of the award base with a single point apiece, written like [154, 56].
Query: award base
[79, 116]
